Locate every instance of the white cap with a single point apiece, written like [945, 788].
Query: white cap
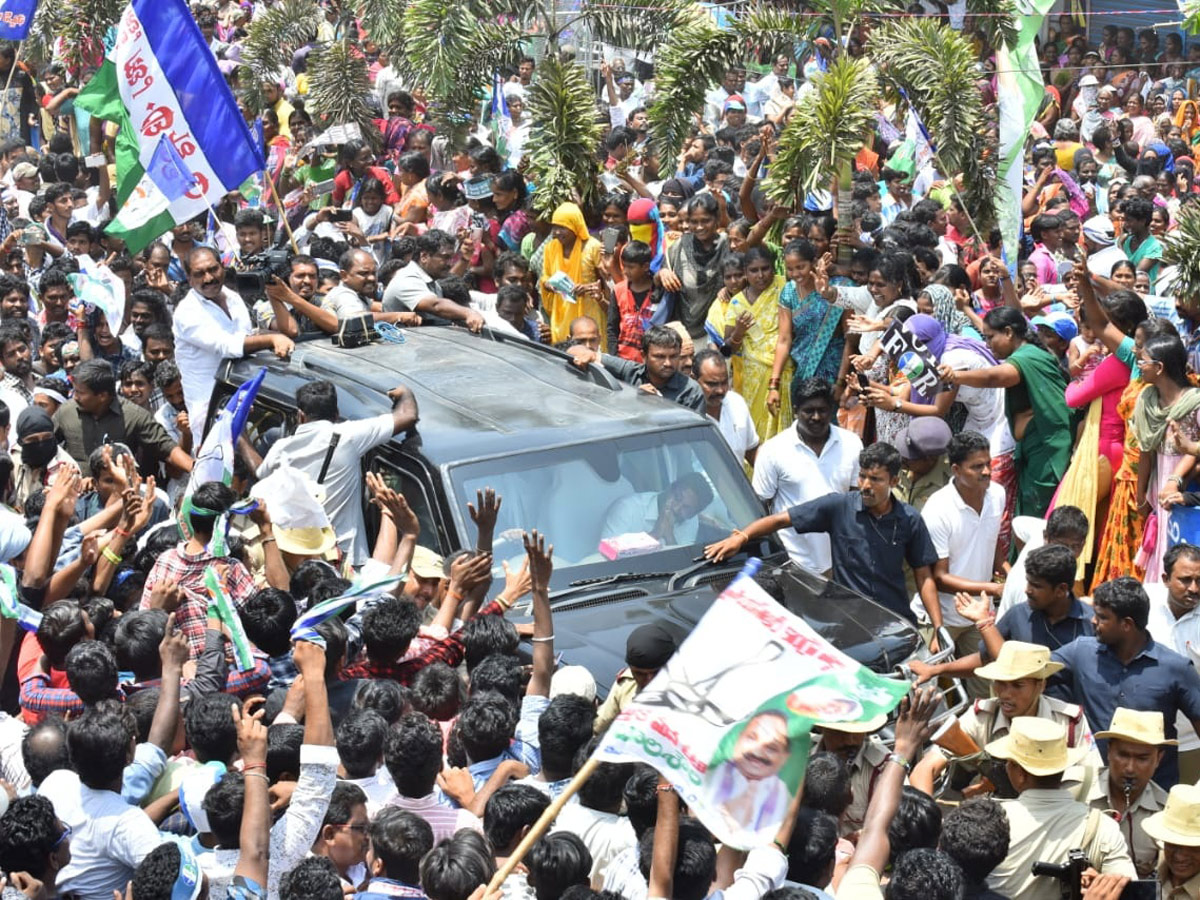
[573, 680]
[1089, 81]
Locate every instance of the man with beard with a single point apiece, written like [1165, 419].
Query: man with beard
[16, 356]
[872, 536]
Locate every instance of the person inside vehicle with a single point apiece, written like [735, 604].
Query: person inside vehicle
[670, 517]
[659, 374]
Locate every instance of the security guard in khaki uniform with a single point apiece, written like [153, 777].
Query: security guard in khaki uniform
[1018, 676]
[864, 755]
[1045, 822]
[647, 649]
[1124, 790]
[1177, 827]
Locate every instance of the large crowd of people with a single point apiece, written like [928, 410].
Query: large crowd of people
[1026, 511]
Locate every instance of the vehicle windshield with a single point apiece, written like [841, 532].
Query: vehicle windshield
[645, 503]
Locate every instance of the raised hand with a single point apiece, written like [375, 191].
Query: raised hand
[541, 563]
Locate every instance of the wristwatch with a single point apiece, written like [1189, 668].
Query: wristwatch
[899, 403]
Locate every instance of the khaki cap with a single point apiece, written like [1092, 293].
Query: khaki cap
[427, 564]
[1138, 726]
[1039, 746]
[1179, 822]
[1018, 660]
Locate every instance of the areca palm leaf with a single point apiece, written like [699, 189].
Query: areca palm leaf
[772, 29]
[561, 149]
[1182, 249]
[695, 56]
[825, 132]
[276, 34]
[338, 88]
[453, 50]
[634, 23]
[931, 67]
[996, 19]
[383, 20]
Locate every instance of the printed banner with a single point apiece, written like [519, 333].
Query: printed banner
[728, 722]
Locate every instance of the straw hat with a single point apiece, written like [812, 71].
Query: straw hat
[1179, 822]
[1019, 660]
[867, 726]
[1140, 727]
[1039, 746]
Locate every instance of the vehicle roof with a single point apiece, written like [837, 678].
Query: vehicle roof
[478, 395]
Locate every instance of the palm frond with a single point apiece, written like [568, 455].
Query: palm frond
[997, 19]
[633, 23]
[561, 151]
[275, 34]
[845, 14]
[339, 87]
[1182, 249]
[694, 56]
[771, 29]
[931, 67]
[461, 47]
[383, 20]
[825, 132]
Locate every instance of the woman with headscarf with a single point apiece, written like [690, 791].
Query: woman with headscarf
[646, 225]
[1187, 117]
[1033, 404]
[570, 282]
[937, 300]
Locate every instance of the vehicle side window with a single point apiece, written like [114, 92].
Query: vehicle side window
[413, 489]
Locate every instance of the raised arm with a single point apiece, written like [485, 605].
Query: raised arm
[404, 409]
[541, 565]
[255, 832]
[1110, 335]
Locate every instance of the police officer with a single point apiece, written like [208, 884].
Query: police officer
[1045, 822]
[1018, 677]
[1178, 828]
[1124, 789]
[865, 756]
[647, 650]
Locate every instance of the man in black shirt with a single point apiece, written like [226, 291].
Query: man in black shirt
[872, 536]
[659, 374]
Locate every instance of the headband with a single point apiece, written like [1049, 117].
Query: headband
[52, 394]
[217, 545]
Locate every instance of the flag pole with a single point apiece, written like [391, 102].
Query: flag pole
[543, 823]
[12, 71]
[282, 212]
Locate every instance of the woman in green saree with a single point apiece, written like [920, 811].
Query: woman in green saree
[1034, 403]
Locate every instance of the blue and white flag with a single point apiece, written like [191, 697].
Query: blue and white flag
[16, 18]
[501, 120]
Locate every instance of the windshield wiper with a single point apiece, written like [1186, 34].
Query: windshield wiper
[583, 583]
[702, 564]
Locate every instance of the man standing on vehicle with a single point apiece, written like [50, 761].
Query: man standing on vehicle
[212, 324]
[813, 459]
[659, 374]
[331, 453]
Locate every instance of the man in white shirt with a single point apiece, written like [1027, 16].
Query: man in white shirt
[726, 406]
[1175, 621]
[714, 100]
[109, 837]
[670, 517]
[811, 460]
[212, 323]
[963, 519]
[414, 288]
[331, 453]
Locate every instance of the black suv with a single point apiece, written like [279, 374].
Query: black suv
[578, 456]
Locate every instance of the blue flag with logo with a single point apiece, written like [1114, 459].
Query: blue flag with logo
[16, 18]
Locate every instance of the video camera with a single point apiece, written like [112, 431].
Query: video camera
[1070, 878]
[258, 270]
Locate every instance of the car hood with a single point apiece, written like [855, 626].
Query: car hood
[591, 629]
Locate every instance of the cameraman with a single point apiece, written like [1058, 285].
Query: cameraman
[294, 308]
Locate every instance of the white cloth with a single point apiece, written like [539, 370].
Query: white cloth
[965, 538]
[639, 512]
[1031, 531]
[1102, 261]
[985, 406]
[305, 450]
[737, 426]
[605, 835]
[787, 473]
[205, 336]
[1181, 635]
[109, 838]
[624, 875]
[379, 789]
